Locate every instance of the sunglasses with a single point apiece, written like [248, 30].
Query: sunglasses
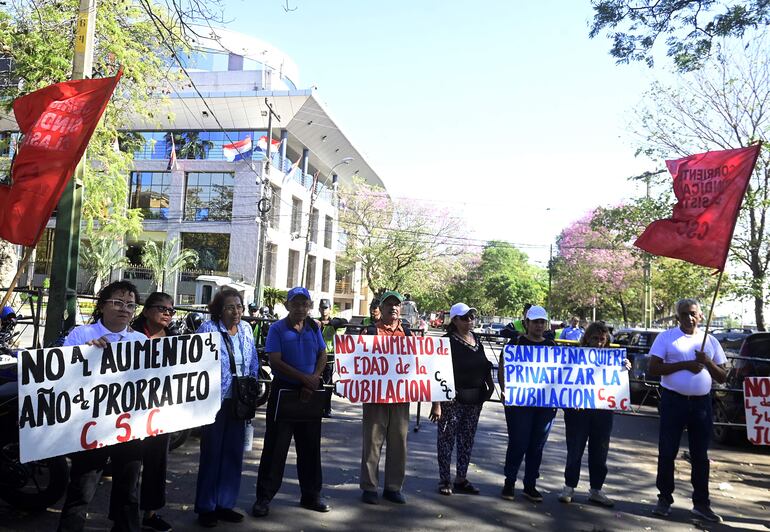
[164, 310]
[467, 317]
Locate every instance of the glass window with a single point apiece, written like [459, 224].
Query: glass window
[275, 210]
[296, 215]
[148, 191]
[44, 253]
[270, 259]
[325, 273]
[310, 273]
[292, 272]
[191, 144]
[213, 250]
[209, 196]
[314, 226]
[328, 232]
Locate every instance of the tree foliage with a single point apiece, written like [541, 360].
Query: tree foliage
[724, 105]
[397, 242]
[166, 258]
[689, 27]
[100, 256]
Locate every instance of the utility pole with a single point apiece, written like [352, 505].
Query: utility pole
[647, 276]
[264, 206]
[550, 274]
[62, 296]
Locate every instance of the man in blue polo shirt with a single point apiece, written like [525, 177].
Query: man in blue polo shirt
[297, 354]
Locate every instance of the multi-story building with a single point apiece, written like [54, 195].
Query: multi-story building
[208, 201]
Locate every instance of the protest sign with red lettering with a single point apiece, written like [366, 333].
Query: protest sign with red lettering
[565, 376]
[393, 369]
[84, 397]
[756, 392]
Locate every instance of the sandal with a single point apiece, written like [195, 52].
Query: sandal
[466, 487]
[444, 488]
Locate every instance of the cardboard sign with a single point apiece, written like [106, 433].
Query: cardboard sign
[83, 397]
[566, 377]
[756, 392]
[393, 369]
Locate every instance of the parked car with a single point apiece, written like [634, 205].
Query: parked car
[637, 343]
[732, 339]
[728, 399]
[494, 330]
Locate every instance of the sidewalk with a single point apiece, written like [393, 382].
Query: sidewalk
[740, 486]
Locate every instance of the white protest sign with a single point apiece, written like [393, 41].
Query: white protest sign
[756, 392]
[393, 369]
[565, 377]
[83, 397]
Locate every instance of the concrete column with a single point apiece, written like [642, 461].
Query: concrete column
[304, 165]
[284, 144]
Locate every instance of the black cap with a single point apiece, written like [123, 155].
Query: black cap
[324, 303]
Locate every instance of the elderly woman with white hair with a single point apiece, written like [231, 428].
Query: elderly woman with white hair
[458, 419]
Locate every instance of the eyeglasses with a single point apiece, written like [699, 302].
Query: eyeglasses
[164, 310]
[120, 304]
[467, 317]
[234, 308]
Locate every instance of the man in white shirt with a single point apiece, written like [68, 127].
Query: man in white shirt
[686, 364]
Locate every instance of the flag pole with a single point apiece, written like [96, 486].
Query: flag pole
[24, 261]
[711, 310]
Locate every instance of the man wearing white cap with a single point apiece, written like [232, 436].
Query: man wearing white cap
[528, 426]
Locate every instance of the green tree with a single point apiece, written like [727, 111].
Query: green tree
[165, 259]
[721, 106]
[273, 296]
[689, 27]
[100, 256]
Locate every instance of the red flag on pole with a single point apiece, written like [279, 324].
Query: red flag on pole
[710, 188]
[56, 122]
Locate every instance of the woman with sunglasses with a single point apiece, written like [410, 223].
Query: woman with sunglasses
[222, 442]
[154, 322]
[115, 306]
[458, 419]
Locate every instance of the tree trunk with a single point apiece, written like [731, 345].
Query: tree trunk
[624, 310]
[759, 311]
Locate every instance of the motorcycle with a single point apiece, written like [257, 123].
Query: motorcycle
[36, 485]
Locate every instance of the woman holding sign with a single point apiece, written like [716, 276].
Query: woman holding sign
[154, 322]
[528, 426]
[589, 426]
[222, 442]
[458, 419]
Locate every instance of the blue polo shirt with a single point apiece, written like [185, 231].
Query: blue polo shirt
[299, 349]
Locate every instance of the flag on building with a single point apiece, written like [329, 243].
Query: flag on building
[262, 145]
[57, 122]
[172, 157]
[238, 150]
[709, 188]
[288, 175]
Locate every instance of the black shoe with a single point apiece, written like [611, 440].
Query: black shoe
[260, 509]
[394, 496]
[507, 493]
[208, 519]
[317, 505]
[229, 515]
[156, 522]
[326, 413]
[466, 487]
[370, 497]
[704, 511]
[532, 494]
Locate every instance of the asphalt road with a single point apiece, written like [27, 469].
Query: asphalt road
[740, 486]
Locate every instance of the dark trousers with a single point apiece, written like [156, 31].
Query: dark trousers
[307, 443]
[85, 473]
[528, 429]
[154, 463]
[593, 427]
[458, 423]
[221, 462]
[676, 413]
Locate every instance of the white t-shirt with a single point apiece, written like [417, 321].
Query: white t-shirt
[673, 346]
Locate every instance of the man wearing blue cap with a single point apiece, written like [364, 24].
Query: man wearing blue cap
[297, 354]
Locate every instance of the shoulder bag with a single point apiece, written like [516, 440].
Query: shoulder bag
[245, 388]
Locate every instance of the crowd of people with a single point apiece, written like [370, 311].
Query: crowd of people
[297, 348]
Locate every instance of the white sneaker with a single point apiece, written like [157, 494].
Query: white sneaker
[599, 497]
[566, 494]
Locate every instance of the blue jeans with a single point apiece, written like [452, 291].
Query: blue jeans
[221, 462]
[528, 428]
[676, 413]
[587, 426]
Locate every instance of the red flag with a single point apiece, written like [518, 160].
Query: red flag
[710, 188]
[57, 122]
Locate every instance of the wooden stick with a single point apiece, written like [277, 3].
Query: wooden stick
[24, 261]
[711, 311]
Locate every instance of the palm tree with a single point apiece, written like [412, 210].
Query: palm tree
[101, 254]
[163, 259]
[272, 296]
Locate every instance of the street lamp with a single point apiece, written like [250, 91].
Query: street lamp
[313, 196]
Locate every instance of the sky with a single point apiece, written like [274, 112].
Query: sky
[503, 111]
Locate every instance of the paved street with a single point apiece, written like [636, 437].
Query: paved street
[740, 484]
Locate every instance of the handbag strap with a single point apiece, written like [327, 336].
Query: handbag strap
[226, 339]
